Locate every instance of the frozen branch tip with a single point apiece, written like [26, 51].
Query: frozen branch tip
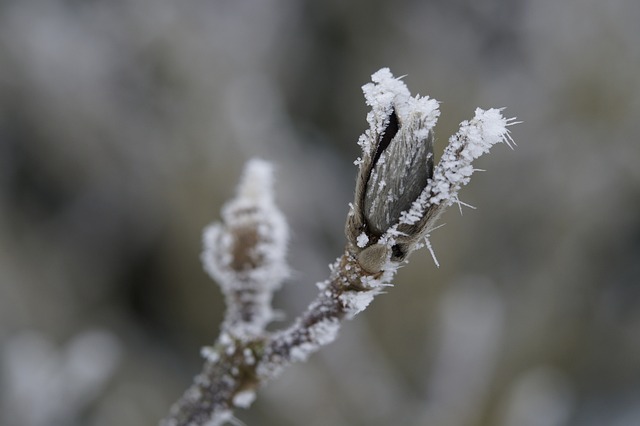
[399, 193]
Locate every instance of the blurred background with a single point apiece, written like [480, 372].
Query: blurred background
[124, 126]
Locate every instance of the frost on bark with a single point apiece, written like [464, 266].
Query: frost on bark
[399, 195]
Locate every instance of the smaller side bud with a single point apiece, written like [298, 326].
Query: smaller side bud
[246, 253]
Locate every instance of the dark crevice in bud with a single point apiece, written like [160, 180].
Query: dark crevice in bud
[397, 253]
[389, 133]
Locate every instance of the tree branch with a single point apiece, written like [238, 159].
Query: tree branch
[398, 198]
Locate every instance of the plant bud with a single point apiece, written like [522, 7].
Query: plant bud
[395, 169]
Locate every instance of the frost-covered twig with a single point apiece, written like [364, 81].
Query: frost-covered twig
[398, 197]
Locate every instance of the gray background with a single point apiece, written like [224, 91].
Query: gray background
[124, 126]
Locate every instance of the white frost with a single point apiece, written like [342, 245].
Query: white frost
[363, 239]
[474, 139]
[244, 399]
[427, 243]
[355, 302]
[210, 354]
[386, 93]
[319, 334]
[221, 418]
[325, 332]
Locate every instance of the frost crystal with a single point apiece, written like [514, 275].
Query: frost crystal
[221, 418]
[356, 302]
[210, 354]
[244, 399]
[319, 334]
[385, 93]
[325, 332]
[362, 240]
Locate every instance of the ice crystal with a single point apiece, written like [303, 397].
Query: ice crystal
[319, 334]
[363, 239]
[244, 399]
